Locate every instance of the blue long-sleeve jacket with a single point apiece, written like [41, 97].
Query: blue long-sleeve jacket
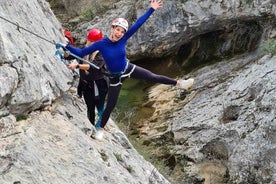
[114, 53]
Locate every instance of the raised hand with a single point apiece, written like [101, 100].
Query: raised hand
[155, 4]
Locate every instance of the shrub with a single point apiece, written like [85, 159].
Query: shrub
[268, 46]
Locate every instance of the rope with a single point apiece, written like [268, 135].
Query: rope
[83, 60]
[52, 42]
[20, 27]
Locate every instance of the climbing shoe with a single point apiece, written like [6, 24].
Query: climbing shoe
[99, 134]
[186, 84]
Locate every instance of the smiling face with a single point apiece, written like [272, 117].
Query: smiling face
[117, 32]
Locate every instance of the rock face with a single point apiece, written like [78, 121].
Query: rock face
[30, 76]
[183, 27]
[52, 144]
[230, 123]
[224, 132]
[71, 12]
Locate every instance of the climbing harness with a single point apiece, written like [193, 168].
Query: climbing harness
[122, 75]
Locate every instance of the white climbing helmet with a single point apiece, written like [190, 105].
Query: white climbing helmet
[120, 22]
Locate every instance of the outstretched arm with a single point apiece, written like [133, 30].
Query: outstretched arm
[82, 52]
[155, 4]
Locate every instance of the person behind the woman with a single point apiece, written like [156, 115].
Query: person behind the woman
[113, 49]
[93, 85]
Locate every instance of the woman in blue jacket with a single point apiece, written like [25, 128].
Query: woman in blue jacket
[113, 50]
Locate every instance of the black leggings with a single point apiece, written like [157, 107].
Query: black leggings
[134, 72]
[93, 101]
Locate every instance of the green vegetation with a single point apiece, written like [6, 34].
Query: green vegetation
[248, 1]
[243, 136]
[129, 169]
[268, 46]
[102, 9]
[90, 13]
[159, 157]
[4, 115]
[104, 156]
[183, 1]
[246, 75]
[21, 117]
[87, 15]
[118, 157]
[56, 4]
